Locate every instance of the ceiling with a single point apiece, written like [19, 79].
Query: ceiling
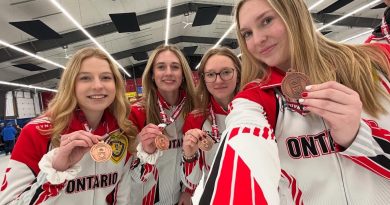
[129, 48]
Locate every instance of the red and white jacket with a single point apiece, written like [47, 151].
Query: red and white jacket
[193, 172]
[96, 183]
[159, 183]
[289, 157]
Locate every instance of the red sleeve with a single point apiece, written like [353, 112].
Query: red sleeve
[31, 146]
[193, 121]
[138, 115]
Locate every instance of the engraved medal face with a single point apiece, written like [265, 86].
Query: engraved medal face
[206, 143]
[101, 152]
[162, 142]
[293, 84]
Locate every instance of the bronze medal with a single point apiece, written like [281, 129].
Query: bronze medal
[206, 143]
[293, 84]
[101, 152]
[162, 142]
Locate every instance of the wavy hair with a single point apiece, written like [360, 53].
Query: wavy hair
[62, 106]
[354, 66]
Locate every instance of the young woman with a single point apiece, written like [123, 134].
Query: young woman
[51, 162]
[220, 73]
[312, 124]
[168, 96]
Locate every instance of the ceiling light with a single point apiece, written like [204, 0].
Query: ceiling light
[349, 14]
[357, 35]
[315, 5]
[224, 35]
[169, 5]
[30, 54]
[27, 86]
[88, 35]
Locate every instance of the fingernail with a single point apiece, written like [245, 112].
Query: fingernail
[301, 100]
[308, 87]
[304, 94]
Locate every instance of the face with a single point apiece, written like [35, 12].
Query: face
[95, 85]
[222, 89]
[264, 33]
[387, 2]
[167, 72]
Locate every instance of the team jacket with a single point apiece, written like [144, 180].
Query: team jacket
[192, 172]
[159, 183]
[289, 157]
[97, 183]
[378, 35]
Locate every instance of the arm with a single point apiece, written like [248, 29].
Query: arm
[246, 169]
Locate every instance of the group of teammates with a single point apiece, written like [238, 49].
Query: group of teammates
[309, 124]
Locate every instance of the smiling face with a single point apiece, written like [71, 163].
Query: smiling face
[221, 90]
[264, 33]
[94, 86]
[167, 72]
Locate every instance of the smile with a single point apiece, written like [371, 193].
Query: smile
[97, 96]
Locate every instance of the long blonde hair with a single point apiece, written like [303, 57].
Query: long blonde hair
[62, 106]
[202, 91]
[354, 66]
[150, 89]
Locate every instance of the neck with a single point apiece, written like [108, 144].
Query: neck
[170, 97]
[93, 119]
[224, 103]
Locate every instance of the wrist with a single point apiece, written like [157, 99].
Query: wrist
[190, 158]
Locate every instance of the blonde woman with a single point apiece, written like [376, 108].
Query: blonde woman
[51, 163]
[312, 123]
[220, 77]
[168, 96]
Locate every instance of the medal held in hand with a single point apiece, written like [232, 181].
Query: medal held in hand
[206, 143]
[162, 142]
[294, 83]
[101, 152]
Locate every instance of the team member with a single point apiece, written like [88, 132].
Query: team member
[313, 124]
[51, 163]
[168, 96]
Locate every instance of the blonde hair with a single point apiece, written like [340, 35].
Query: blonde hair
[62, 106]
[202, 91]
[354, 66]
[150, 89]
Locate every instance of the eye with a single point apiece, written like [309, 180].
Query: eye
[209, 75]
[107, 77]
[268, 20]
[226, 72]
[246, 34]
[84, 78]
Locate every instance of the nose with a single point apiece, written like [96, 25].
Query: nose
[97, 84]
[259, 37]
[218, 78]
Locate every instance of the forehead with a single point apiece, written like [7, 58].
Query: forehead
[217, 62]
[251, 9]
[166, 57]
[95, 64]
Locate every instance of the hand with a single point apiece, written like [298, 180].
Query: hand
[72, 148]
[147, 136]
[190, 141]
[339, 105]
[185, 199]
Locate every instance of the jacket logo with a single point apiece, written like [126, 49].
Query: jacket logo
[119, 144]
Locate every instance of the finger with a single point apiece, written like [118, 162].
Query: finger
[332, 85]
[330, 117]
[331, 95]
[325, 106]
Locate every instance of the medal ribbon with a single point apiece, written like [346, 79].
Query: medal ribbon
[175, 114]
[214, 126]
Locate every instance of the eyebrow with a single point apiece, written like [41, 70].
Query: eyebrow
[259, 17]
[85, 73]
[163, 63]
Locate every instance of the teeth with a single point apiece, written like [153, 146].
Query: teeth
[97, 96]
